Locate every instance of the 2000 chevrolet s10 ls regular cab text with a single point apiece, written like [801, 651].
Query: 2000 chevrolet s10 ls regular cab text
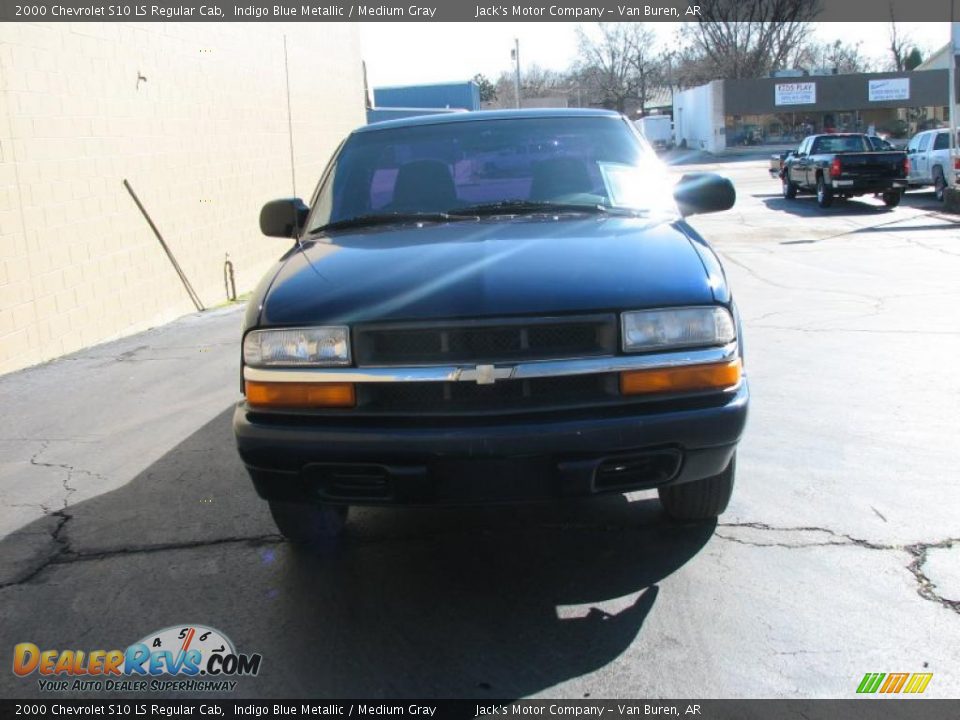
[488, 307]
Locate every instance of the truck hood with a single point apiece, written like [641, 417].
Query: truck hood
[490, 268]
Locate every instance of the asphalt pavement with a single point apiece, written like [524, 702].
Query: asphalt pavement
[124, 508]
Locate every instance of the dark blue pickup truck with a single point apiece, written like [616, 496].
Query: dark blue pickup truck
[452, 328]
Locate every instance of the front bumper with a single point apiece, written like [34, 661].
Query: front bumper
[488, 460]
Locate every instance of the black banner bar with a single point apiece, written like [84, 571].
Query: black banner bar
[434, 11]
[874, 708]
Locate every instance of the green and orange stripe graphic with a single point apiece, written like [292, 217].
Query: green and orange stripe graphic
[894, 683]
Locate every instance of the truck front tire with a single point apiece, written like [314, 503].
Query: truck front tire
[789, 189]
[824, 193]
[701, 499]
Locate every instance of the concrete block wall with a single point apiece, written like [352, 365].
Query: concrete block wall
[194, 115]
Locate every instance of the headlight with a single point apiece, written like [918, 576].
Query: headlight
[318, 346]
[677, 328]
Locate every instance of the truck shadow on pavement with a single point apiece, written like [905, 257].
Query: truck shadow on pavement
[479, 602]
[806, 205]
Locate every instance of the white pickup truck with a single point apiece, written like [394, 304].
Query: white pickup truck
[929, 155]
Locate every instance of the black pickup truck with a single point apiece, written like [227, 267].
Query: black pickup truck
[845, 166]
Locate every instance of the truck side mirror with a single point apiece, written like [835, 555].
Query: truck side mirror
[700, 193]
[283, 218]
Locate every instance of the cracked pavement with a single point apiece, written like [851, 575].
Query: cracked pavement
[124, 509]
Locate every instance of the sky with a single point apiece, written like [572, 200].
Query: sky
[408, 53]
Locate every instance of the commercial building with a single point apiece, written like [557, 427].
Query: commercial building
[395, 102]
[940, 60]
[448, 96]
[194, 116]
[728, 113]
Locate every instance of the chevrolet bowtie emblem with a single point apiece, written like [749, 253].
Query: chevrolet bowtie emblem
[483, 374]
[486, 375]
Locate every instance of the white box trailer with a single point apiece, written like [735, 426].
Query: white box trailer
[657, 129]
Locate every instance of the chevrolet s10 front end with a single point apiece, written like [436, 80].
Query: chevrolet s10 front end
[492, 307]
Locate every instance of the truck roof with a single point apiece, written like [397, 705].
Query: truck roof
[481, 115]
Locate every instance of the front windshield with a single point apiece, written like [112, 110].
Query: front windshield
[576, 162]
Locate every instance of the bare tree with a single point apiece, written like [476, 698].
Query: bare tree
[649, 66]
[535, 82]
[749, 38]
[899, 45]
[844, 57]
[691, 68]
[904, 52]
[604, 64]
[618, 64]
[505, 91]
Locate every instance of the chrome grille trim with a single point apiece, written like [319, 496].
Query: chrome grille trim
[501, 371]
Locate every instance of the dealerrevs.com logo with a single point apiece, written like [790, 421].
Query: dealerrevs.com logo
[198, 657]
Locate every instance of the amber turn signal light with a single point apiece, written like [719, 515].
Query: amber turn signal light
[300, 394]
[715, 376]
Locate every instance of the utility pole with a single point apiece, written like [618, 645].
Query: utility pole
[670, 76]
[516, 58]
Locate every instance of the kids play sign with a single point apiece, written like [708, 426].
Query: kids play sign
[799, 93]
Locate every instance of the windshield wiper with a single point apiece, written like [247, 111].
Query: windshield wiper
[385, 219]
[517, 207]
[504, 207]
[520, 207]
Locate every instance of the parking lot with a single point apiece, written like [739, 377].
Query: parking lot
[125, 508]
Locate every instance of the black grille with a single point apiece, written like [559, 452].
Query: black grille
[485, 341]
[503, 396]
